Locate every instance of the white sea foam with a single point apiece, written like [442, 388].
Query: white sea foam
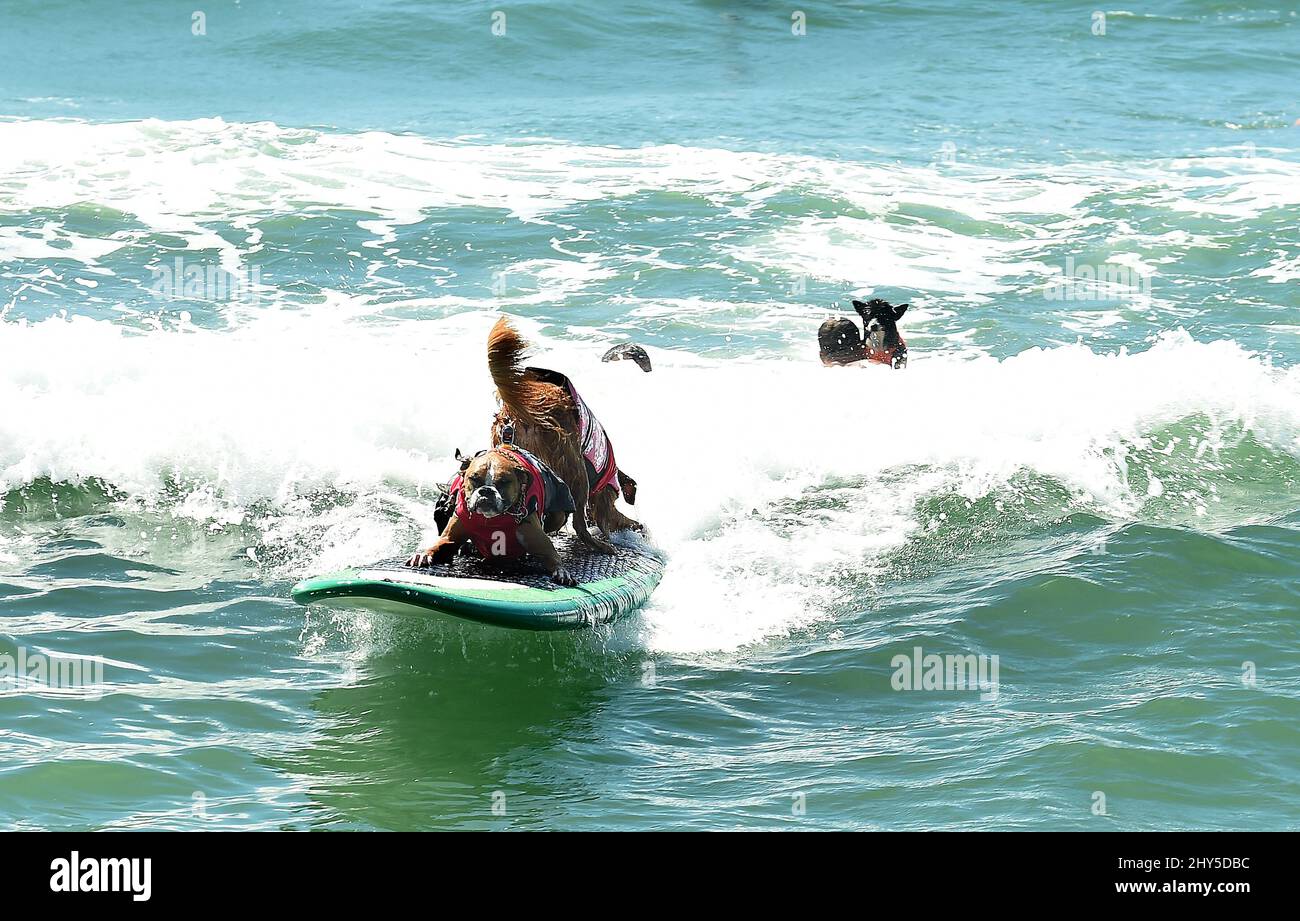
[1280, 270]
[259, 417]
[763, 478]
[860, 251]
[184, 177]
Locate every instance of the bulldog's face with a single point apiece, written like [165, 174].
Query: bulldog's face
[494, 482]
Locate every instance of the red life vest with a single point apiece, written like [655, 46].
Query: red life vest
[498, 536]
[881, 355]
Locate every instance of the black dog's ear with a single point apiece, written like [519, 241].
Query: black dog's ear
[899, 311]
[865, 309]
[463, 460]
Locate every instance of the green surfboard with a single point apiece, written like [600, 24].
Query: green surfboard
[501, 594]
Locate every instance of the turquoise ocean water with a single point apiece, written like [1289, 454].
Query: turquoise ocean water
[1097, 482]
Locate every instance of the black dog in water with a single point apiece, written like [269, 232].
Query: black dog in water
[842, 344]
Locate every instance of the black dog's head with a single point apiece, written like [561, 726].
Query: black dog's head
[842, 344]
[882, 342]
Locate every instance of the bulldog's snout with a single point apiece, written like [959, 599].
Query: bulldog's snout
[486, 501]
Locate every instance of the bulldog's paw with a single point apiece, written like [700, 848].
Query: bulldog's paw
[563, 577]
[420, 559]
[428, 556]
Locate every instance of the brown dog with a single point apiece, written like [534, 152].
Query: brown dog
[542, 413]
[506, 502]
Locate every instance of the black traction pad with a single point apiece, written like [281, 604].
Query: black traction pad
[586, 564]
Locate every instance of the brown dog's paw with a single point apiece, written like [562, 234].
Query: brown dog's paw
[563, 577]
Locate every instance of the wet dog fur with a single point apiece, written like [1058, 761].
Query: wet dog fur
[546, 423]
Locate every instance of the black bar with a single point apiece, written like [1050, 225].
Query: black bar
[330, 870]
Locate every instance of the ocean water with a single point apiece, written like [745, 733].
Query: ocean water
[1088, 478]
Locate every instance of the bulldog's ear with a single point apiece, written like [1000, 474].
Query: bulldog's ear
[899, 311]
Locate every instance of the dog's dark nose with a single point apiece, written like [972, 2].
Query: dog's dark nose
[485, 497]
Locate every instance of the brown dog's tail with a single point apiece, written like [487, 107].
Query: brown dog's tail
[524, 398]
